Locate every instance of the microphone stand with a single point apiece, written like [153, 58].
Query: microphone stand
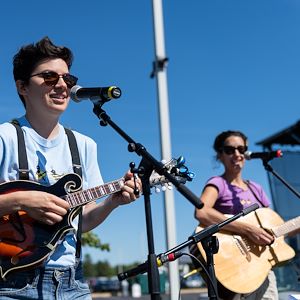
[270, 169]
[147, 165]
[210, 245]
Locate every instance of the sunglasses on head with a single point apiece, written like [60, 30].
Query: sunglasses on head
[230, 149]
[51, 78]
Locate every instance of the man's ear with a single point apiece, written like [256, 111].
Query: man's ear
[21, 87]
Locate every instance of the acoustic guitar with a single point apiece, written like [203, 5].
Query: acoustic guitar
[26, 243]
[240, 265]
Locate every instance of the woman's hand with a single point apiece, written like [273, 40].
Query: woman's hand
[259, 236]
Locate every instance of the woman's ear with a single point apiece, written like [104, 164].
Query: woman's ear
[21, 87]
[219, 157]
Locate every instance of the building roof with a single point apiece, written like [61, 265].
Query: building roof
[289, 136]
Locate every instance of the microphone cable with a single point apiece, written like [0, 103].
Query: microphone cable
[202, 268]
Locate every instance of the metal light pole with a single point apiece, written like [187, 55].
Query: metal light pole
[159, 71]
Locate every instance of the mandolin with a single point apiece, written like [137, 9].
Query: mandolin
[26, 243]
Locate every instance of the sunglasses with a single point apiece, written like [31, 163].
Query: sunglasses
[231, 150]
[51, 78]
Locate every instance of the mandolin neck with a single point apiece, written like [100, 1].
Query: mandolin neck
[92, 194]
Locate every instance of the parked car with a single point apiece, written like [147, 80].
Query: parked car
[193, 281]
[105, 284]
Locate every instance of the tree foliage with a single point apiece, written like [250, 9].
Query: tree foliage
[92, 240]
[102, 268]
[99, 268]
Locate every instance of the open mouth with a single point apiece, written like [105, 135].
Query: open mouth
[58, 98]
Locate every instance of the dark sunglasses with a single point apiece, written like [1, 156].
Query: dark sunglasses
[51, 78]
[230, 149]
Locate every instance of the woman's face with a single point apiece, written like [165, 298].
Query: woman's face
[232, 155]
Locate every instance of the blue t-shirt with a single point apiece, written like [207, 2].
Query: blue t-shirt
[48, 161]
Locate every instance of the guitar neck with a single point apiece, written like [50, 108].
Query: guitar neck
[287, 227]
[92, 194]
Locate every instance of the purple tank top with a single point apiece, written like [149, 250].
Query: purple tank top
[233, 199]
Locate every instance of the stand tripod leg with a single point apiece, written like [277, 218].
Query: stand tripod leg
[211, 247]
[153, 278]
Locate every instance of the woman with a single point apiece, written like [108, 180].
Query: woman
[230, 194]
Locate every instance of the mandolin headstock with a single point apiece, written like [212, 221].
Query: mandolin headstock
[177, 168]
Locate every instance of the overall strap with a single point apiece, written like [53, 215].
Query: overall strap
[78, 170]
[22, 154]
[74, 152]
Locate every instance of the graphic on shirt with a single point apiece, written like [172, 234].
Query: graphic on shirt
[46, 174]
[41, 172]
[244, 201]
[55, 175]
[41, 175]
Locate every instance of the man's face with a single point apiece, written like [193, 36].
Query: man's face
[43, 99]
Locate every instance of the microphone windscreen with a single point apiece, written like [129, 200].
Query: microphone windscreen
[73, 93]
[247, 155]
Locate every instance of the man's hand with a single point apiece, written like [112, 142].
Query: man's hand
[42, 206]
[127, 194]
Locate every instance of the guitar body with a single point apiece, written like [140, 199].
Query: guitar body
[242, 266]
[25, 242]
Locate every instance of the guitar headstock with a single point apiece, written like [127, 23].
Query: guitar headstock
[177, 168]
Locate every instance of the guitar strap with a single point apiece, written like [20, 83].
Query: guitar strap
[254, 194]
[24, 171]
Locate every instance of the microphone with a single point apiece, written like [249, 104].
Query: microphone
[104, 94]
[142, 268]
[263, 155]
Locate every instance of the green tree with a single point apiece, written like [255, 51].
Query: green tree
[100, 268]
[90, 269]
[92, 240]
[88, 266]
[103, 268]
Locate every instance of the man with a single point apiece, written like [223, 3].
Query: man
[43, 81]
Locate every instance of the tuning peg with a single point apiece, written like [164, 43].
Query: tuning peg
[163, 188]
[183, 170]
[169, 186]
[157, 190]
[180, 161]
[190, 176]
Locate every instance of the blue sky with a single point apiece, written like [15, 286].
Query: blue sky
[232, 65]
